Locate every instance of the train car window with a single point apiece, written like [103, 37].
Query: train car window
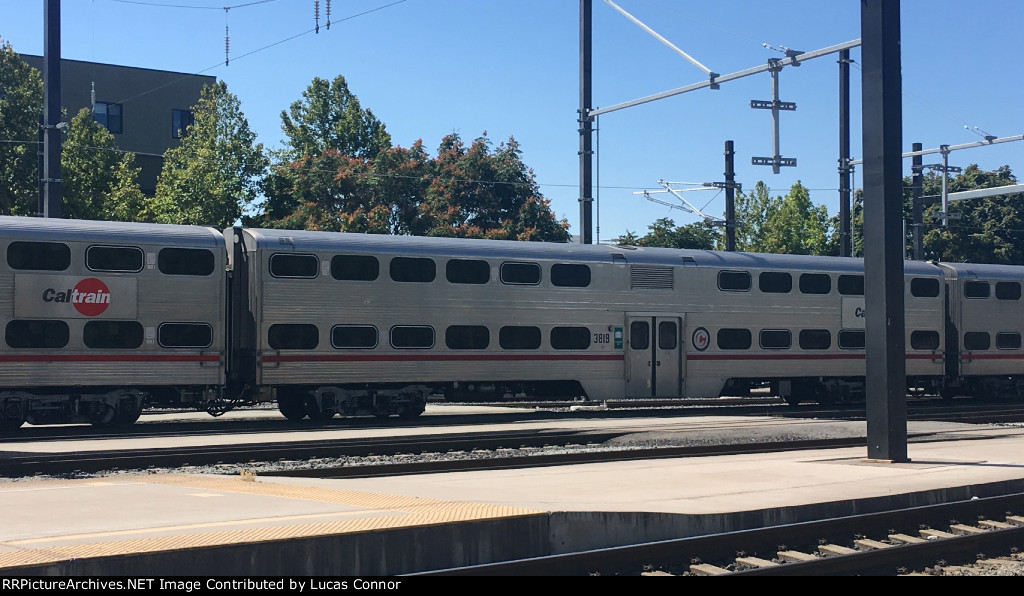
[775, 339]
[977, 340]
[734, 281]
[775, 282]
[852, 339]
[355, 267]
[354, 337]
[668, 335]
[734, 339]
[1008, 290]
[185, 335]
[520, 274]
[38, 256]
[639, 335]
[465, 271]
[519, 338]
[976, 289]
[293, 336]
[185, 261]
[23, 334]
[467, 337]
[851, 285]
[816, 339]
[1008, 341]
[815, 283]
[566, 275]
[924, 340]
[113, 335]
[408, 337]
[294, 266]
[114, 258]
[570, 338]
[924, 287]
[413, 269]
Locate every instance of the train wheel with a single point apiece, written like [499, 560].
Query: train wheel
[411, 410]
[291, 407]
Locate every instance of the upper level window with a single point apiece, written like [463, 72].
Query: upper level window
[291, 265]
[185, 261]
[734, 281]
[38, 256]
[775, 282]
[109, 115]
[520, 273]
[851, 285]
[413, 269]
[114, 258]
[815, 283]
[465, 271]
[570, 276]
[1008, 290]
[976, 289]
[924, 287]
[180, 121]
[355, 267]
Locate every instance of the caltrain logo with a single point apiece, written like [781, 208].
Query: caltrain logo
[90, 296]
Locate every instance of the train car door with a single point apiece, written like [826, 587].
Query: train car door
[655, 361]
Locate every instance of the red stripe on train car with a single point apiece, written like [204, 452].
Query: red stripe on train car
[993, 357]
[690, 357]
[439, 358]
[109, 358]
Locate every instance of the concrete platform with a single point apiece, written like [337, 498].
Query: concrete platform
[196, 525]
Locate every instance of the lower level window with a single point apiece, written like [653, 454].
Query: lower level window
[113, 335]
[185, 335]
[293, 337]
[22, 334]
[412, 338]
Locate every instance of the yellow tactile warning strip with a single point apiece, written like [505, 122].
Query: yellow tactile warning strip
[377, 511]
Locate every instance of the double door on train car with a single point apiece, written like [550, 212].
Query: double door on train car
[655, 361]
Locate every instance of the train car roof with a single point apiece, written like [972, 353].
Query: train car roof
[986, 271]
[78, 230]
[596, 253]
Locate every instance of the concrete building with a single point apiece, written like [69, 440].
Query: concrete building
[145, 109]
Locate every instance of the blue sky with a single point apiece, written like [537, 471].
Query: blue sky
[427, 68]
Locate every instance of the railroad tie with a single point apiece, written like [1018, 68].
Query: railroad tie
[931, 534]
[868, 544]
[705, 569]
[995, 525]
[965, 529]
[1016, 520]
[754, 562]
[835, 549]
[906, 539]
[795, 556]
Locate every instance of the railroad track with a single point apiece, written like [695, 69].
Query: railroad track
[898, 542]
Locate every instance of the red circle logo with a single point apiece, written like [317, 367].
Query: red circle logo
[90, 297]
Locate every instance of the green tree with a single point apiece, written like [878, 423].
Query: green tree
[21, 103]
[752, 214]
[97, 177]
[479, 193]
[329, 117]
[214, 175]
[797, 226]
[987, 230]
[664, 233]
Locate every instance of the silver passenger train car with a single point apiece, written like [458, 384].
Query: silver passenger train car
[103, 318]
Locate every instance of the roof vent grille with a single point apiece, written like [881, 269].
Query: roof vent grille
[646, 277]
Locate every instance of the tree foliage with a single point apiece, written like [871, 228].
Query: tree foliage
[339, 172]
[100, 182]
[329, 117]
[215, 173]
[664, 233]
[21, 103]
